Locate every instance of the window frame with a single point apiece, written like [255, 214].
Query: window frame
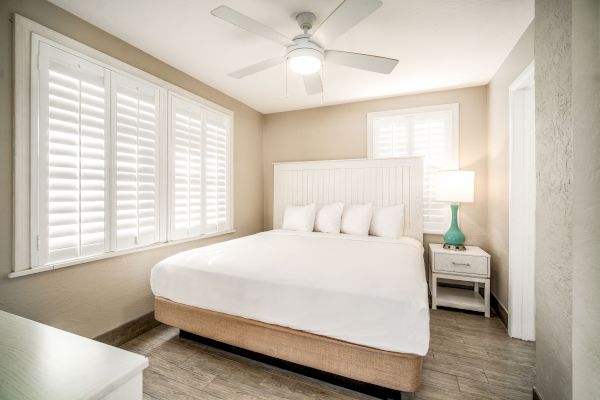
[455, 134]
[28, 35]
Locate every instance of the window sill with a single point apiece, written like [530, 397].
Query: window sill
[30, 271]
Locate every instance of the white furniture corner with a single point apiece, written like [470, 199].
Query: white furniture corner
[383, 182]
[42, 362]
[471, 265]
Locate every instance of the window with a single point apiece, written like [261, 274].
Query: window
[429, 131]
[217, 172]
[71, 157]
[135, 165]
[200, 199]
[116, 159]
[187, 169]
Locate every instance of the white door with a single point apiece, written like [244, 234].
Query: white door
[521, 258]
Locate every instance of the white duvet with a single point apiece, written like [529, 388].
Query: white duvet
[365, 290]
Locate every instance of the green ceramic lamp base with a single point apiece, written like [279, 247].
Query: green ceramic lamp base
[454, 239]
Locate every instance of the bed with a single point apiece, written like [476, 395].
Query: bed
[353, 306]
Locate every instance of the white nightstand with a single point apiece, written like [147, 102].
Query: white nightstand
[471, 265]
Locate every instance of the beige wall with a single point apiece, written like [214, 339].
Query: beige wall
[92, 298]
[497, 151]
[340, 131]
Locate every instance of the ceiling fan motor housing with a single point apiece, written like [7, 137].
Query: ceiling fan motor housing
[305, 20]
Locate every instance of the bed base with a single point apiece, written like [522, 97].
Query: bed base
[358, 386]
[399, 372]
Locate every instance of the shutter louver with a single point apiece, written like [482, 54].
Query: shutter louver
[72, 156]
[429, 134]
[217, 170]
[135, 176]
[186, 170]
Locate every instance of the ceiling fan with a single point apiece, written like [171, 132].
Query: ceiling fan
[306, 52]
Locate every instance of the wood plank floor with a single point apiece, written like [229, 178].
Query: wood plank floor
[470, 358]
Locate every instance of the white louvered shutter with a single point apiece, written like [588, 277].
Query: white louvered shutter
[391, 137]
[71, 157]
[217, 172]
[186, 169]
[136, 163]
[430, 134]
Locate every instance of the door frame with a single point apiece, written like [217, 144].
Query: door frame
[521, 270]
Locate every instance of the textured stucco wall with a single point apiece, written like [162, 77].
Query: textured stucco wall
[567, 52]
[95, 297]
[586, 168]
[554, 204]
[498, 157]
[568, 230]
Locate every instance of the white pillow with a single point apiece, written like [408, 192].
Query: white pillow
[299, 218]
[329, 218]
[388, 222]
[356, 219]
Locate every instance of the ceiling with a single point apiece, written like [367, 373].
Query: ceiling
[440, 44]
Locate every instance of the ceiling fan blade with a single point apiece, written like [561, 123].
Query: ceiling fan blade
[254, 68]
[313, 83]
[348, 14]
[367, 62]
[240, 20]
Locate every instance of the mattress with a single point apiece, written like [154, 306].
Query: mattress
[361, 289]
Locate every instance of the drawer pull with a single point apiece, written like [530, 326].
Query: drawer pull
[461, 264]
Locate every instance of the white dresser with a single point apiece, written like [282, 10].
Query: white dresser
[471, 265]
[38, 361]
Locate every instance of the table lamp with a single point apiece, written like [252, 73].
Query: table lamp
[455, 187]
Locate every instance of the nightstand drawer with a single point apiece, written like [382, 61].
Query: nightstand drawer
[460, 264]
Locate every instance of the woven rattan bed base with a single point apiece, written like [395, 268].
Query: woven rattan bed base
[392, 370]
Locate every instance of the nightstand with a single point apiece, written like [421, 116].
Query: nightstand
[471, 265]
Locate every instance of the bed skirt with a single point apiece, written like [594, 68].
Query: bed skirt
[397, 371]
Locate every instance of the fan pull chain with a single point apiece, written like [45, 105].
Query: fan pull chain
[322, 84]
[287, 94]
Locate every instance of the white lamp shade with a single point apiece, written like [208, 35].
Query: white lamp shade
[455, 186]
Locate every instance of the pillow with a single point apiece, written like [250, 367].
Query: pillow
[357, 219]
[299, 218]
[388, 222]
[329, 218]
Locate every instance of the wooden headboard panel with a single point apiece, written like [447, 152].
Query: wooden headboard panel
[383, 182]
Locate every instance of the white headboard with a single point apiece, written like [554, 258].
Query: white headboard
[384, 182]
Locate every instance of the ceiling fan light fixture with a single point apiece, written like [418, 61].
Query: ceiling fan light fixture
[304, 55]
[305, 61]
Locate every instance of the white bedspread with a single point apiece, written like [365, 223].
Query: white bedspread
[365, 290]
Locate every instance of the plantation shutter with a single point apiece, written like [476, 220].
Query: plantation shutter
[429, 134]
[135, 167]
[186, 183]
[114, 160]
[391, 137]
[431, 138]
[71, 157]
[217, 172]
